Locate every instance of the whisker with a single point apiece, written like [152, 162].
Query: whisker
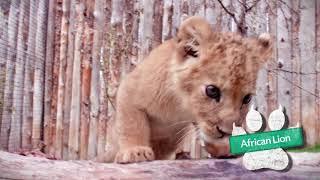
[182, 138]
[190, 132]
[181, 130]
[179, 123]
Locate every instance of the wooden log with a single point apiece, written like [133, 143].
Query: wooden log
[197, 8]
[39, 74]
[103, 115]
[226, 19]
[15, 132]
[257, 25]
[167, 20]
[284, 64]
[318, 68]
[295, 56]
[114, 63]
[68, 85]
[128, 16]
[49, 62]
[184, 10]
[9, 73]
[28, 79]
[95, 133]
[62, 78]
[50, 129]
[308, 64]
[195, 151]
[134, 34]
[103, 106]
[212, 14]
[221, 20]
[255, 22]
[87, 41]
[74, 133]
[271, 94]
[238, 10]
[157, 23]
[4, 9]
[145, 29]
[176, 16]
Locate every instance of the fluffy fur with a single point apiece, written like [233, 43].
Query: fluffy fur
[164, 97]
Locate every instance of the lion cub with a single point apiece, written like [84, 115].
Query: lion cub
[199, 81]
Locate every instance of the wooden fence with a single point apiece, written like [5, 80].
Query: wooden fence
[61, 62]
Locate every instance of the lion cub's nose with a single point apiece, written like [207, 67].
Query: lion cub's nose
[228, 117]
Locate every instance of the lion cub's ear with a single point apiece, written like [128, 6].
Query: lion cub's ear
[264, 47]
[192, 33]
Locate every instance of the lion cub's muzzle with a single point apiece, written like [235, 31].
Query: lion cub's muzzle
[216, 141]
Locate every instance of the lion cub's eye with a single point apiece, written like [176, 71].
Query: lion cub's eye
[213, 92]
[246, 99]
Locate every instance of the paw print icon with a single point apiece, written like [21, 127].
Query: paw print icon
[265, 149]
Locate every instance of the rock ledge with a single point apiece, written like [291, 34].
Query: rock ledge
[13, 166]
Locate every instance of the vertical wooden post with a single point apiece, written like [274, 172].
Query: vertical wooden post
[50, 127]
[272, 77]
[62, 78]
[308, 64]
[3, 54]
[145, 28]
[167, 20]
[128, 23]
[48, 93]
[134, 34]
[257, 25]
[284, 56]
[157, 23]
[295, 56]
[197, 8]
[226, 20]
[9, 73]
[74, 130]
[114, 63]
[68, 83]
[318, 68]
[40, 51]
[86, 78]
[176, 16]
[99, 18]
[28, 78]
[15, 132]
[103, 111]
[103, 74]
[212, 14]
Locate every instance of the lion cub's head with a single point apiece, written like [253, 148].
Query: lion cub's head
[216, 75]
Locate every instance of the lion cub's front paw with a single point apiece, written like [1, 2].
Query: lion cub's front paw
[135, 154]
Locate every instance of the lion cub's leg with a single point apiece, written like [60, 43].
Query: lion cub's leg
[133, 129]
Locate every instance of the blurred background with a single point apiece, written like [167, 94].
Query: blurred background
[61, 62]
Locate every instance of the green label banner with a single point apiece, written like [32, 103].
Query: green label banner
[286, 138]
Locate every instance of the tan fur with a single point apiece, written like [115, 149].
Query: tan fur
[164, 97]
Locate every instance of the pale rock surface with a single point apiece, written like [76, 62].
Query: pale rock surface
[13, 166]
